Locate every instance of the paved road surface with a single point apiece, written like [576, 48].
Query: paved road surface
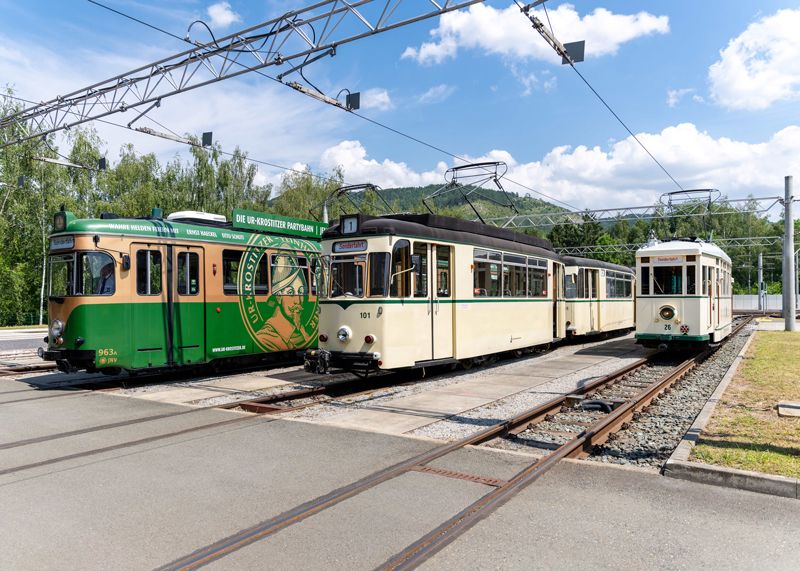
[16, 339]
[138, 506]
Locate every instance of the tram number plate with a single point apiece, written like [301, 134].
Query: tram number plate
[668, 327]
[364, 314]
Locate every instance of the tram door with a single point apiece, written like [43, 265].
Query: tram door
[593, 279]
[188, 314]
[442, 301]
[150, 334]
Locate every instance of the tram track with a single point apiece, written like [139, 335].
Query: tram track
[581, 444]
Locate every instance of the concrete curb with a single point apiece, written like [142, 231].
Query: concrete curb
[678, 465]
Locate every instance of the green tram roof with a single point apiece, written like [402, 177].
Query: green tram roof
[448, 229]
[180, 231]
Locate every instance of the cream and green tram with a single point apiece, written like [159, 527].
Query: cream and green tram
[598, 296]
[684, 294]
[418, 290]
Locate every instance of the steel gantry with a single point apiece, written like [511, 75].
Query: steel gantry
[289, 43]
[724, 243]
[633, 213]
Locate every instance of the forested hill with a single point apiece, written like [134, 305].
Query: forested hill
[409, 199]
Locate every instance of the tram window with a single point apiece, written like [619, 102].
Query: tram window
[570, 286]
[421, 270]
[148, 272]
[230, 271]
[317, 276]
[487, 274]
[583, 285]
[592, 283]
[618, 284]
[378, 274]
[347, 276]
[188, 273]
[691, 280]
[289, 274]
[62, 275]
[667, 280]
[537, 282]
[95, 272]
[442, 271]
[644, 279]
[400, 285]
[514, 276]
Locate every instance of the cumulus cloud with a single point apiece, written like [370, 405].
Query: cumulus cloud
[436, 94]
[619, 175]
[222, 15]
[674, 96]
[761, 65]
[377, 99]
[358, 168]
[508, 33]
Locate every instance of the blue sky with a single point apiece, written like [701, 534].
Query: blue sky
[710, 87]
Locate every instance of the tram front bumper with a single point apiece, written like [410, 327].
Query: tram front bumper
[67, 360]
[322, 361]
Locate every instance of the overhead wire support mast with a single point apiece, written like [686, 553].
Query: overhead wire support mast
[319, 28]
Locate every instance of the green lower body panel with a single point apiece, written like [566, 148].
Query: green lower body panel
[657, 337]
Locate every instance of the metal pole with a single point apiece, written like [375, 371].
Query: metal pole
[760, 281]
[788, 258]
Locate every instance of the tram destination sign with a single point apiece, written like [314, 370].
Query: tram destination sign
[253, 220]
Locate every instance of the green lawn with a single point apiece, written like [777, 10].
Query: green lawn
[745, 431]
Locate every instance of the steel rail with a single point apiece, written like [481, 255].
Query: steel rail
[266, 528]
[433, 542]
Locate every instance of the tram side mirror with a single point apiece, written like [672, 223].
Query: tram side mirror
[416, 261]
[126, 262]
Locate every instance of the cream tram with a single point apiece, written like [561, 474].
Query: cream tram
[684, 293]
[416, 290]
[598, 296]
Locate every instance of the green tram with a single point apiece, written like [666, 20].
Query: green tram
[185, 290]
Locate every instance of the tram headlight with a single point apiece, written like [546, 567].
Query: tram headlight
[56, 328]
[667, 312]
[344, 334]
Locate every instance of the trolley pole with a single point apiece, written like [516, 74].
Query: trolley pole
[788, 258]
[761, 281]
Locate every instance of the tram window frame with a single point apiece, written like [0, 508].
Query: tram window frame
[145, 281]
[317, 275]
[487, 263]
[420, 251]
[443, 268]
[514, 268]
[644, 280]
[674, 272]
[571, 286]
[582, 284]
[618, 285]
[358, 261]
[400, 276]
[537, 270]
[188, 264]
[301, 263]
[231, 259]
[68, 261]
[691, 279]
[378, 274]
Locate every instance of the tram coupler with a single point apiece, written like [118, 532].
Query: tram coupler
[317, 361]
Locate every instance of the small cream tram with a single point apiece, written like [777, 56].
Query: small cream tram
[684, 294]
[417, 290]
[598, 296]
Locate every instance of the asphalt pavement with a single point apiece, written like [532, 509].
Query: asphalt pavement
[18, 339]
[142, 495]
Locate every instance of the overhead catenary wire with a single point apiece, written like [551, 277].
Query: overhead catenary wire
[359, 115]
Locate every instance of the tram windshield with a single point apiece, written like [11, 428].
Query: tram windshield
[81, 273]
[347, 276]
[668, 280]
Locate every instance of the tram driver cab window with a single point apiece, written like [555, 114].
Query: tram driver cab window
[400, 285]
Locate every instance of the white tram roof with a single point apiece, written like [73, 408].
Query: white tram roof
[682, 247]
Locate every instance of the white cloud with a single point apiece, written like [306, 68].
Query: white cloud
[508, 33]
[674, 96]
[222, 15]
[377, 99]
[531, 82]
[436, 94]
[352, 157]
[620, 175]
[760, 66]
